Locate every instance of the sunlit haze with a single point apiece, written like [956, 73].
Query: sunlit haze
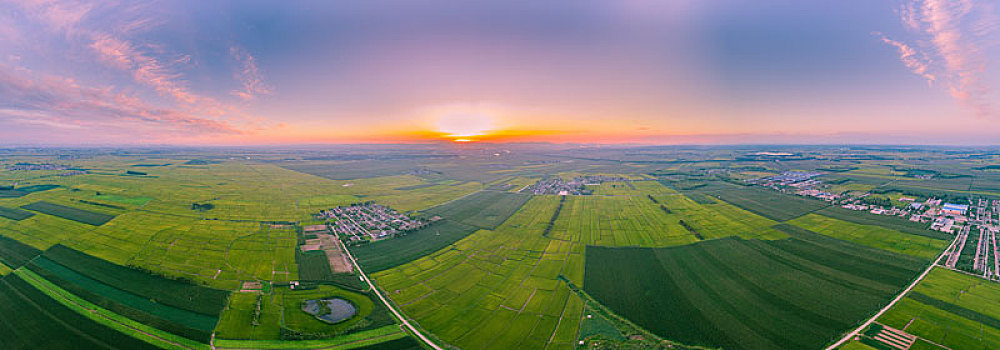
[650, 72]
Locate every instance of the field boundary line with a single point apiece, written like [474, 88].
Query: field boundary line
[849, 336]
[388, 305]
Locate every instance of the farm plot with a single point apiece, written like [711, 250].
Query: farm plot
[14, 254]
[873, 236]
[26, 190]
[483, 209]
[196, 250]
[70, 213]
[267, 255]
[767, 203]
[15, 214]
[494, 289]
[796, 293]
[952, 309]
[30, 319]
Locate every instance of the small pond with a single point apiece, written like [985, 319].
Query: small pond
[331, 310]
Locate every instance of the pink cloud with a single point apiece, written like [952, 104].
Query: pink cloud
[64, 103]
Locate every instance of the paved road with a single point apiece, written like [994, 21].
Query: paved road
[386, 302]
[849, 336]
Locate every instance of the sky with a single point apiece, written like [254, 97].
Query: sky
[578, 71]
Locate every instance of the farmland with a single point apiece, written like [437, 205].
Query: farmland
[753, 268]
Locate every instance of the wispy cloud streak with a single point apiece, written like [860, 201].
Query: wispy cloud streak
[919, 64]
[248, 75]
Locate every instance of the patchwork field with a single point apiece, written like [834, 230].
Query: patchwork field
[208, 246]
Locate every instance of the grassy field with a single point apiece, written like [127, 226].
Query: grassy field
[796, 293]
[952, 309]
[873, 236]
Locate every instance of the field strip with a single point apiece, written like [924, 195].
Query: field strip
[386, 302]
[354, 340]
[98, 314]
[899, 297]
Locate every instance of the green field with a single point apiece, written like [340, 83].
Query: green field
[70, 213]
[795, 293]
